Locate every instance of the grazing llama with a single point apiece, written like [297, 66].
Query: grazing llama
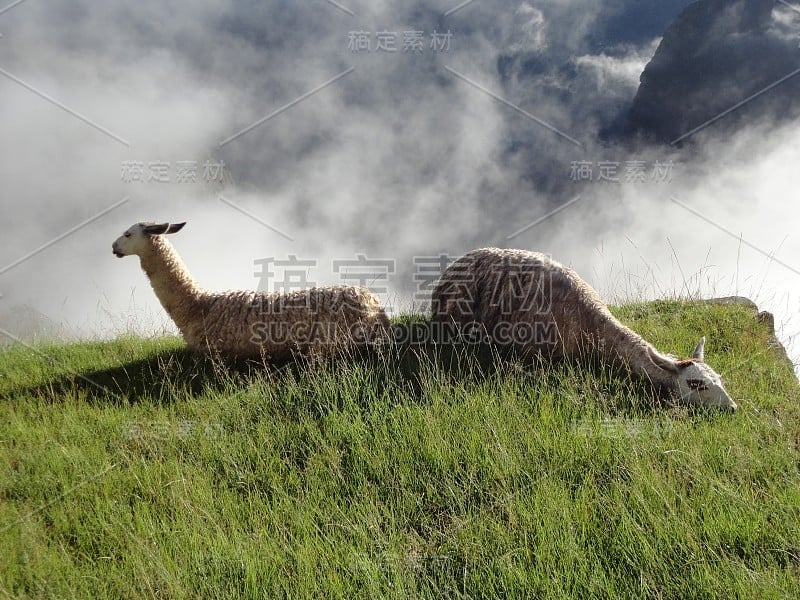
[527, 301]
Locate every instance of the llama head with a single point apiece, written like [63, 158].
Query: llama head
[694, 382]
[138, 237]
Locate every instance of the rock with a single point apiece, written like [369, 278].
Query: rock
[765, 317]
[738, 300]
[715, 55]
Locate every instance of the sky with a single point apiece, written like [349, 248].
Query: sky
[333, 151]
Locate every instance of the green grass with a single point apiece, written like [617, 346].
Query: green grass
[417, 473]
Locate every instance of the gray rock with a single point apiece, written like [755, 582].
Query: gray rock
[716, 54]
[762, 316]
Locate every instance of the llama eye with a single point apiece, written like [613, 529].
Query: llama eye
[127, 234]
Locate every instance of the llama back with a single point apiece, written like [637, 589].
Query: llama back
[523, 299]
[317, 321]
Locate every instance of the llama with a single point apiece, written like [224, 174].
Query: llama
[532, 303]
[315, 322]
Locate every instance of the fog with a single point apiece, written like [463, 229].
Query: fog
[392, 155]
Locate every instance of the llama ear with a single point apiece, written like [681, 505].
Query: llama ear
[662, 362]
[700, 349]
[155, 229]
[175, 227]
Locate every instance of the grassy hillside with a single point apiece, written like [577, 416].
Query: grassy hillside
[130, 469]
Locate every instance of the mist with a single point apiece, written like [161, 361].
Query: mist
[390, 155]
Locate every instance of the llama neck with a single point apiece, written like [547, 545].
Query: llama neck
[174, 286]
[624, 347]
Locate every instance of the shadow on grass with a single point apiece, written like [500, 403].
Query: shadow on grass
[162, 376]
[405, 366]
[158, 377]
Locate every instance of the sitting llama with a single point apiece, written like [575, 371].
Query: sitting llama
[316, 322]
[527, 301]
